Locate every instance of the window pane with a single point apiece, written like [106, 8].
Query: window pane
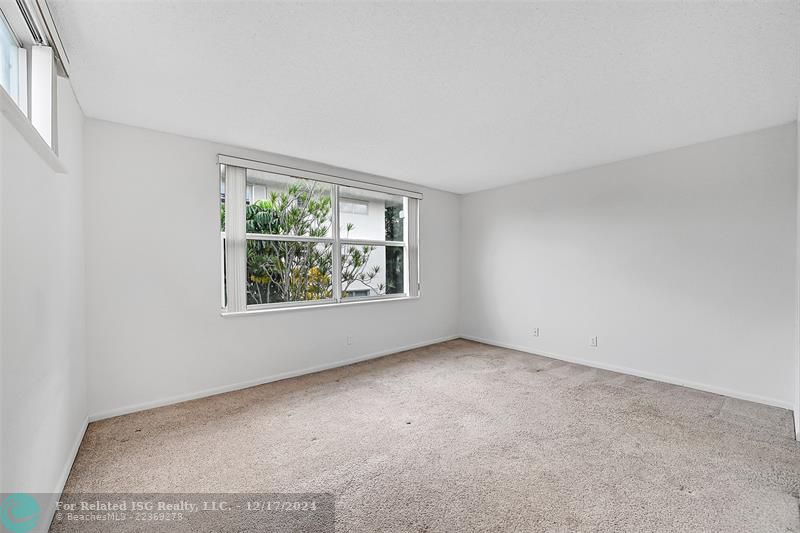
[288, 271]
[370, 215]
[354, 207]
[372, 270]
[283, 205]
[9, 61]
[224, 265]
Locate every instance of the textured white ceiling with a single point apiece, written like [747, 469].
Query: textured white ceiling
[458, 96]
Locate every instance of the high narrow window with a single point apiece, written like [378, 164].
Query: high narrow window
[293, 238]
[31, 59]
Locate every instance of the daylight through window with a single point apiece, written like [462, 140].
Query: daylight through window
[304, 238]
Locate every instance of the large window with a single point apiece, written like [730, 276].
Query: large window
[292, 238]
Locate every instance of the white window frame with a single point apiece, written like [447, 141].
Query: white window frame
[41, 59]
[233, 170]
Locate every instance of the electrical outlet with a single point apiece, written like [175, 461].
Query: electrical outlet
[593, 342]
[535, 332]
[349, 340]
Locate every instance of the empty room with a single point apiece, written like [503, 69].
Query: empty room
[399, 266]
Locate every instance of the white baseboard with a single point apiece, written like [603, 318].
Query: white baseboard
[260, 381]
[639, 373]
[71, 458]
[62, 481]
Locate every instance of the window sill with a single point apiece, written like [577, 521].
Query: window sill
[17, 118]
[319, 306]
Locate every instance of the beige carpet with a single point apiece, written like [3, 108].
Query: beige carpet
[461, 436]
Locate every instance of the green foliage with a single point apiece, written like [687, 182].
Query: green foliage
[286, 271]
[394, 256]
[393, 222]
[302, 211]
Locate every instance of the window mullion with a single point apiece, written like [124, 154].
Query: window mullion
[287, 238]
[336, 253]
[42, 100]
[371, 242]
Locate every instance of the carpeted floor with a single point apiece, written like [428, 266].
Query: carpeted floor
[461, 436]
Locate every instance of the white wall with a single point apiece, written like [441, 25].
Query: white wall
[43, 398]
[154, 326]
[681, 262]
[797, 315]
